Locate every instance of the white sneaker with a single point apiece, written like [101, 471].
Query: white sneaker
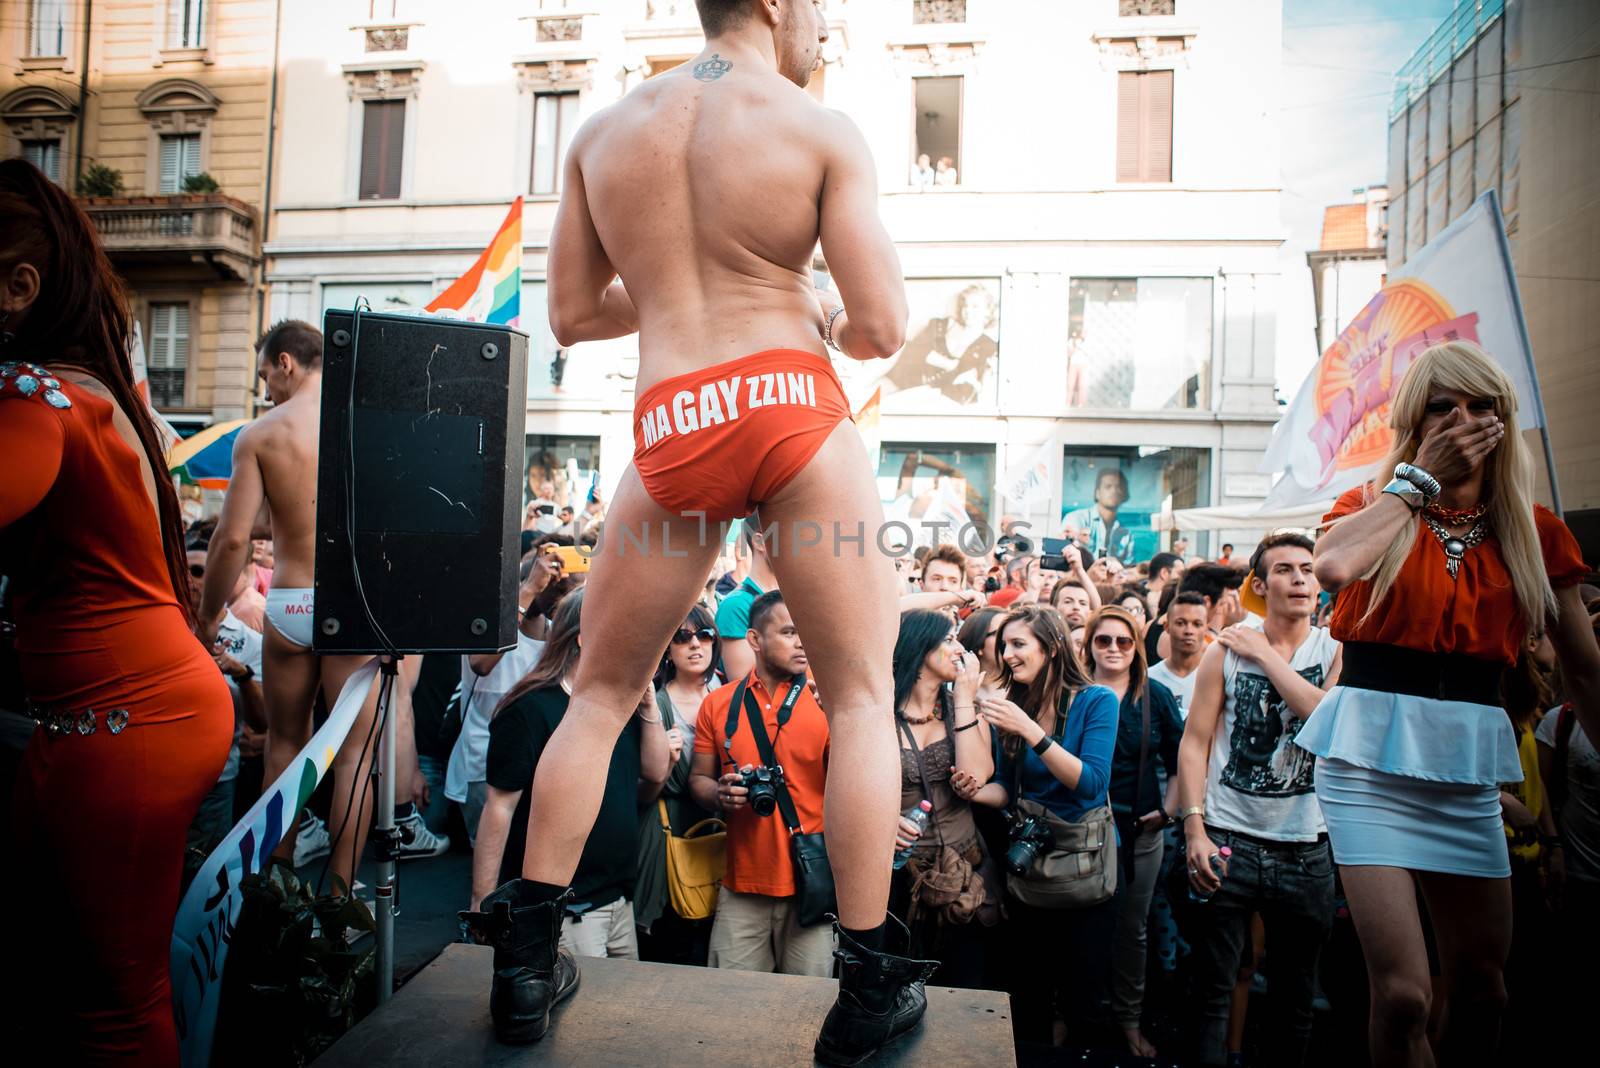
[417, 841]
[311, 841]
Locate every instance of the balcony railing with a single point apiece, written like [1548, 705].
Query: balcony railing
[1454, 35]
[186, 228]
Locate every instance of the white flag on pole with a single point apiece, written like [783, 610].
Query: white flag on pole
[1459, 286]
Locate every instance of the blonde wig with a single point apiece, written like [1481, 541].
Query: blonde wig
[1508, 473]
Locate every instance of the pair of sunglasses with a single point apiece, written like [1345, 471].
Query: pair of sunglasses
[684, 635]
[1105, 641]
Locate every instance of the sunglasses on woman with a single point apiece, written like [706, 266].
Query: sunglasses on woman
[685, 635]
[1105, 641]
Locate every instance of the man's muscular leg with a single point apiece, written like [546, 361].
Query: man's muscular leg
[350, 812]
[842, 598]
[626, 634]
[289, 678]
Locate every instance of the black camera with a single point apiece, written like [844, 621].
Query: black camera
[1029, 835]
[1013, 545]
[762, 784]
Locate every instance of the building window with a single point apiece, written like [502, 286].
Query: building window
[46, 155]
[560, 469]
[169, 353]
[938, 131]
[186, 23]
[47, 28]
[1139, 343]
[1141, 8]
[929, 11]
[555, 119]
[383, 137]
[1144, 126]
[1109, 494]
[180, 157]
[923, 483]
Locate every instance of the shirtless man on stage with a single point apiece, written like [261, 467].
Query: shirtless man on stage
[705, 191]
[275, 462]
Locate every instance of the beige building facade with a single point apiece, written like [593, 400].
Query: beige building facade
[1092, 295]
[133, 104]
[1502, 96]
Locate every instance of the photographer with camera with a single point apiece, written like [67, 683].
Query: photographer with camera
[1056, 732]
[757, 925]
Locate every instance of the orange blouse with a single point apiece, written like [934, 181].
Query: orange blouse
[1474, 614]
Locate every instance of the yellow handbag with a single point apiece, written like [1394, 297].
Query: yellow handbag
[695, 863]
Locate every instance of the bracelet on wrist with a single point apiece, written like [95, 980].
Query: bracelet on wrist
[1419, 478]
[967, 726]
[1043, 745]
[827, 329]
[1192, 810]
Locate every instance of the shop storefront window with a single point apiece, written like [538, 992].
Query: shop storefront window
[1139, 343]
[559, 469]
[1110, 493]
[923, 483]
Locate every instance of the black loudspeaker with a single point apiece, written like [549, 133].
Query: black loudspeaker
[427, 532]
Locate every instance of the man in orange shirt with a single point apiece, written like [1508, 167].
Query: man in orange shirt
[756, 928]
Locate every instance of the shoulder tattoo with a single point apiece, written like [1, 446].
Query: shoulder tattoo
[711, 69]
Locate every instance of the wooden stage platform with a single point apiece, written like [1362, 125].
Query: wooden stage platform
[627, 1013]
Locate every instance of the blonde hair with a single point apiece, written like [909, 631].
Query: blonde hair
[1508, 476]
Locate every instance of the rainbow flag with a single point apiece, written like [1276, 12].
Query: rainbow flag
[869, 424]
[491, 290]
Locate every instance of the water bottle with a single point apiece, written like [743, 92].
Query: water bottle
[918, 814]
[1217, 860]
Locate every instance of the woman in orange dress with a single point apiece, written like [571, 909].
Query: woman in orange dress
[134, 718]
[1441, 576]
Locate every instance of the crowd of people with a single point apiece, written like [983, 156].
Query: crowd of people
[1130, 796]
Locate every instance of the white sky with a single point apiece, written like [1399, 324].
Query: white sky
[1339, 59]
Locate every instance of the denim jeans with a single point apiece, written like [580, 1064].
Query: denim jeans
[438, 809]
[1291, 885]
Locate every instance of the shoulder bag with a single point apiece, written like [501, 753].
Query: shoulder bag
[1080, 868]
[814, 894]
[696, 862]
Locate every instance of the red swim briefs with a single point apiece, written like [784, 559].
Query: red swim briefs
[726, 438]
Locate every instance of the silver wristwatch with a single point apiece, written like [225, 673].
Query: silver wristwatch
[1409, 493]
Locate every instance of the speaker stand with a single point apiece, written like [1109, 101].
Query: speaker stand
[385, 837]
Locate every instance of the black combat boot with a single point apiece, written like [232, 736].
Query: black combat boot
[880, 999]
[532, 973]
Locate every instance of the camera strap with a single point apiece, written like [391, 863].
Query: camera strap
[785, 710]
[922, 775]
[758, 729]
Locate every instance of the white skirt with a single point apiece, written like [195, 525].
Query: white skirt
[1411, 782]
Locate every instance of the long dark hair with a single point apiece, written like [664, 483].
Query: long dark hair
[975, 631]
[699, 618]
[1062, 675]
[81, 319]
[560, 653]
[921, 632]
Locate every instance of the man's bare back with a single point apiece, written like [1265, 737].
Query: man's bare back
[283, 443]
[708, 189]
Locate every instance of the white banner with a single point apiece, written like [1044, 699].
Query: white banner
[208, 910]
[1460, 285]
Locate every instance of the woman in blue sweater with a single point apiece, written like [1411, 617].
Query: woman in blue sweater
[1054, 733]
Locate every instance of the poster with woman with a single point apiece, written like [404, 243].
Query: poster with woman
[951, 356]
